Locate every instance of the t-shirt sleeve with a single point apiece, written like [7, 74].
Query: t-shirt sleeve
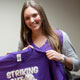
[68, 50]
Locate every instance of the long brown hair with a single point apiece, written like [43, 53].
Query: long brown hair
[46, 28]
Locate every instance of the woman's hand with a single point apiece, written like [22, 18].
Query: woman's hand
[8, 53]
[53, 55]
[27, 47]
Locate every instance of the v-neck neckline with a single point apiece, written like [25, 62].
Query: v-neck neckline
[31, 42]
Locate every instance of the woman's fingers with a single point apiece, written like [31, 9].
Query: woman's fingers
[27, 47]
[53, 55]
[8, 53]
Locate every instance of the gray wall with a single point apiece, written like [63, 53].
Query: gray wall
[62, 14]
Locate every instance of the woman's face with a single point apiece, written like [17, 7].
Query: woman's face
[32, 19]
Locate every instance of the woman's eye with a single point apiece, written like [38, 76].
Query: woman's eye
[26, 18]
[34, 15]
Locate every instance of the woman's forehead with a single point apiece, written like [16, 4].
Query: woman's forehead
[30, 10]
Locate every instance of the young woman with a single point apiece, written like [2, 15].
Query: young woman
[36, 29]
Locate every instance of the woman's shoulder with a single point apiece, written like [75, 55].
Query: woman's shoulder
[65, 36]
[62, 34]
[59, 32]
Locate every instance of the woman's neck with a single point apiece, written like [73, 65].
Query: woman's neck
[37, 34]
[38, 38]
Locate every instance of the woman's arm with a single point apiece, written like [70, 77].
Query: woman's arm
[68, 57]
[70, 53]
[20, 45]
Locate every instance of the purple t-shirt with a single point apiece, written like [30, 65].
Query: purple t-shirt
[31, 62]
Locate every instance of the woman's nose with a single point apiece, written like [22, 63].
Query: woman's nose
[32, 19]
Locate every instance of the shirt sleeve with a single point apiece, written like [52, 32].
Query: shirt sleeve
[20, 45]
[68, 50]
